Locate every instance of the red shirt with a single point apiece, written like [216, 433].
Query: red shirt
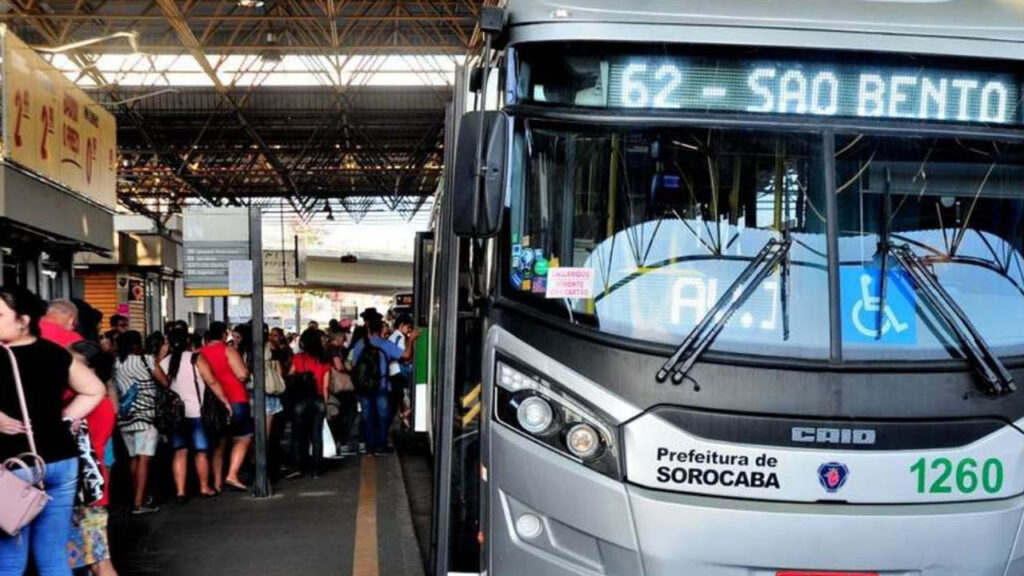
[305, 363]
[216, 354]
[101, 420]
[58, 334]
[101, 427]
[101, 423]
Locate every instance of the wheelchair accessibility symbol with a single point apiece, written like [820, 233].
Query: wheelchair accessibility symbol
[862, 302]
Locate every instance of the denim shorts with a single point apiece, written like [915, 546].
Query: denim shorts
[141, 442]
[241, 420]
[274, 404]
[190, 434]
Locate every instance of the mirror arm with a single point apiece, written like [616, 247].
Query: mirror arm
[479, 170]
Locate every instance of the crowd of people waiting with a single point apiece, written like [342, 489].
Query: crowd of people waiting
[86, 390]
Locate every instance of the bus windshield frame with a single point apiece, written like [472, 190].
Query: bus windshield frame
[866, 144]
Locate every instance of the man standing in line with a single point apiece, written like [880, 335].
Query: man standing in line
[376, 409]
[58, 325]
[399, 372]
[119, 322]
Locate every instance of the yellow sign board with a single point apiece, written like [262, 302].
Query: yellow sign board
[53, 128]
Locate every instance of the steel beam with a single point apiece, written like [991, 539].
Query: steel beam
[178, 22]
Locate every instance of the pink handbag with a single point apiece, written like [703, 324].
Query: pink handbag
[23, 501]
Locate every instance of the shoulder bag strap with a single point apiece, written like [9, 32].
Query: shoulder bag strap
[195, 378]
[149, 369]
[21, 401]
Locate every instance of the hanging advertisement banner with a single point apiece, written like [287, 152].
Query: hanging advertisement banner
[285, 267]
[54, 129]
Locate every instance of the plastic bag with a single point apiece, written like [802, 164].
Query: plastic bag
[330, 447]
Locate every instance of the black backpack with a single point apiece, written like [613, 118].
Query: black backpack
[367, 377]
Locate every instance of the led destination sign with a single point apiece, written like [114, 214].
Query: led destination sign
[849, 90]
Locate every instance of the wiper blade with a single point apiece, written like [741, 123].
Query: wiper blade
[884, 244]
[704, 334]
[995, 378]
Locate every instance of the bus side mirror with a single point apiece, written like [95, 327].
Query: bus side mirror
[478, 214]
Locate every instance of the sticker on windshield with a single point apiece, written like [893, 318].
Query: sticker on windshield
[541, 266]
[570, 283]
[527, 258]
[866, 318]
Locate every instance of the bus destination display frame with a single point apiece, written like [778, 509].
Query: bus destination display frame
[829, 85]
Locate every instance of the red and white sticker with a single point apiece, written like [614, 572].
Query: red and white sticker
[570, 283]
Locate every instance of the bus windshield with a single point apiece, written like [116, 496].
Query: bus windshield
[639, 232]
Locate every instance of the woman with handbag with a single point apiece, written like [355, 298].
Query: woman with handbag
[274, 373]
[231, 372]
[343, 393]
[309, 385]
[89, 545]
[33, 376]
[137, 376]
[190, 374]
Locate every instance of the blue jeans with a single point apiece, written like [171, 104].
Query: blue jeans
[241, 420]
[308, 433]
[376, 416]
[190, 434]
[48, 534]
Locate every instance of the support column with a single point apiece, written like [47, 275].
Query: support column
[261, 483]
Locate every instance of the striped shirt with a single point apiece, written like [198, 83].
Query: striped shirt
[136, 392]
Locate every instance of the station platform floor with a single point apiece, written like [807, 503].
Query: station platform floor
[355, 519]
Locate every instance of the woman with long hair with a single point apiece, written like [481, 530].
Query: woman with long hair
[190, 374]
[241, 340]
[89, 531]
[311, 373]
[137, 376]
[46, 371]
[345, 400]
[231, 372]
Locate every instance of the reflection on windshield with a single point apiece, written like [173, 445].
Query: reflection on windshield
[958, 206]
[656, 224]
[666, 221]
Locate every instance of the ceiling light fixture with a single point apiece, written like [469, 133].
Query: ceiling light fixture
[250, 3]
[132, 36]
[136, 98]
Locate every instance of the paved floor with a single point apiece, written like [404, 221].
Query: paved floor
[418, 473]
[354, 520]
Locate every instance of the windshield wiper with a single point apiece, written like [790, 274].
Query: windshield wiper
[704, 334]
[995, 378]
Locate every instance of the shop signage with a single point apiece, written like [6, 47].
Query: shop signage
[54, 129]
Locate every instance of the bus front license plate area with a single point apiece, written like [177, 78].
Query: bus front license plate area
[791, 573]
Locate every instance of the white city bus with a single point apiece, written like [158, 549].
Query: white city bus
[738, 290]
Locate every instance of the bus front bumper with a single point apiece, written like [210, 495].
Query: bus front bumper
[680, 534]
[591, 524]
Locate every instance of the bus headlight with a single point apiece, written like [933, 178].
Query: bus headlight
[535, 415]
[553, 416]
[583, 441]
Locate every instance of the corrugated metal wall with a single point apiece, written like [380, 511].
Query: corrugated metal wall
[101, 292]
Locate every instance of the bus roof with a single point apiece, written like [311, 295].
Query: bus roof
[983, 28]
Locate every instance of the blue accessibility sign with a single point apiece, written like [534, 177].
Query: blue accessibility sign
[865, 317]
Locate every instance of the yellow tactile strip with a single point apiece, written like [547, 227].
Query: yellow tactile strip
[365, 561]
